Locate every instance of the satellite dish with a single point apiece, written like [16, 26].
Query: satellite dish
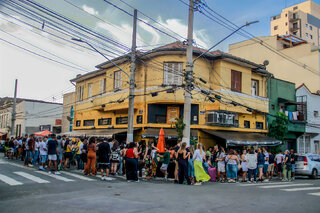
[266, 63]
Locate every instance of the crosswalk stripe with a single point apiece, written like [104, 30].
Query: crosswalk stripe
[77, 176]
[287, 185]
[99, 176]
[32, 177]
[55, 176]
[262, 184]
[316, 193]
[300, 189]
[10, 181]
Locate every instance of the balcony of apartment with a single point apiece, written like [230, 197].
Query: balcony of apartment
[296, 113]
[294, 17]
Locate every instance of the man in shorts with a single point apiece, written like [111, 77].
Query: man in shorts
[166, 161]
[293, 164]
[266, 164]
[52, 153]
[271, 165]
[176, 168]
[104, 159]
[279, 160]
[43, 153]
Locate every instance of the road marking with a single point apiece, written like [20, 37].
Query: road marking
[81, 177]
[262, 184]
[55, 176]
[99, 176]
[300, 189]
[32, 177]
[288, 185]
[316, 193]
[10, 181]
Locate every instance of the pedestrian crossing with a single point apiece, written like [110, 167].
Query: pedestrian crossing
[286, 187]
[17, 178]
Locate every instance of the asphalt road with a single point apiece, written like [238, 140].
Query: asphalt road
[26, 190]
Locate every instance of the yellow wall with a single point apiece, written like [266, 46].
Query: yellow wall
[149, 78]
[280, 67]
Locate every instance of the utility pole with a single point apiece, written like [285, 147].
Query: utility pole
[132, 80]
[188, 78]
[13, 117]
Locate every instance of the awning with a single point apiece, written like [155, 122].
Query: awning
[103, 133]
[168, 133]
[243, 138]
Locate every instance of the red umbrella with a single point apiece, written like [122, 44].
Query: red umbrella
[43, 133]
[161, 142]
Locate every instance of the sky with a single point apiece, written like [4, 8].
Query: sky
[38, 50]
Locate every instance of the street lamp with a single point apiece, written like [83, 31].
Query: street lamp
[131, 91]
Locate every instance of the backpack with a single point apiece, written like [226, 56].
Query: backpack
[115, 156]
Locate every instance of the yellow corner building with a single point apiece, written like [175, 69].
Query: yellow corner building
[233, 115]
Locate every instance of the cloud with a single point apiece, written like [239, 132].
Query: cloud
[155, 34]
[199, 36]
[90, 10]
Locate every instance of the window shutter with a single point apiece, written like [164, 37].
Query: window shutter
[101, 86]
[239, 81]
[165, 73]
[233, 86]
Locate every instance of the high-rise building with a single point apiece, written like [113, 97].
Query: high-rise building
[302, 20]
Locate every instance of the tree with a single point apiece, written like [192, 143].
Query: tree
[279, 127]
[179, 126]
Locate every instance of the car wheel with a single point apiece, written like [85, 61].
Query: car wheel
[314, 174]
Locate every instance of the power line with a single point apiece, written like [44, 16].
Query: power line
[34, 53]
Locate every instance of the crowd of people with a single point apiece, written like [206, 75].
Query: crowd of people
[190, 165]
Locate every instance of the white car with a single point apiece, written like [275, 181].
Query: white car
[307, 165]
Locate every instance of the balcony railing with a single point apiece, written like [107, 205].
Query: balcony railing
[222, 118]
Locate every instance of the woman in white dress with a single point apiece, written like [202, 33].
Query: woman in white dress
[244, 165]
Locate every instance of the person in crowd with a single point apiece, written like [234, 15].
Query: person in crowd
[165, 163]
[36, 152]
[191, 165]
[252, 161]
[199, 172]
[244, 164]
[271, 165]
[182, 157]
[261, 161]
[123, 159]
[214, 161]
[148, 160]
[43, 153]
[176, 168]
[79, 146]
[59, 152]
[221, 165]
[29, 151]
[266, 164]
[154, 161]
[91, 158]
[20, 148]
[293, 164]
[132, 163]
[115, 157]
[209, 152]
[6, 148]
[24, 147]
[83, 154]
[52, 153]
[279, 160]
[287, 166]
[232, 163]
[104, 159]
[11, 148]
[67, 153]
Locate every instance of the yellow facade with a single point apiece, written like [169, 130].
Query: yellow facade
[280, 67]
[150, 79]
[295, 20]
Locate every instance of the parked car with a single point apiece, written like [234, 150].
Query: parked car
[308, 165]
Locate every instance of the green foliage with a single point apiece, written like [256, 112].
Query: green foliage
[275, 149]
[279, 127]
[179, 126]
[193, 141]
